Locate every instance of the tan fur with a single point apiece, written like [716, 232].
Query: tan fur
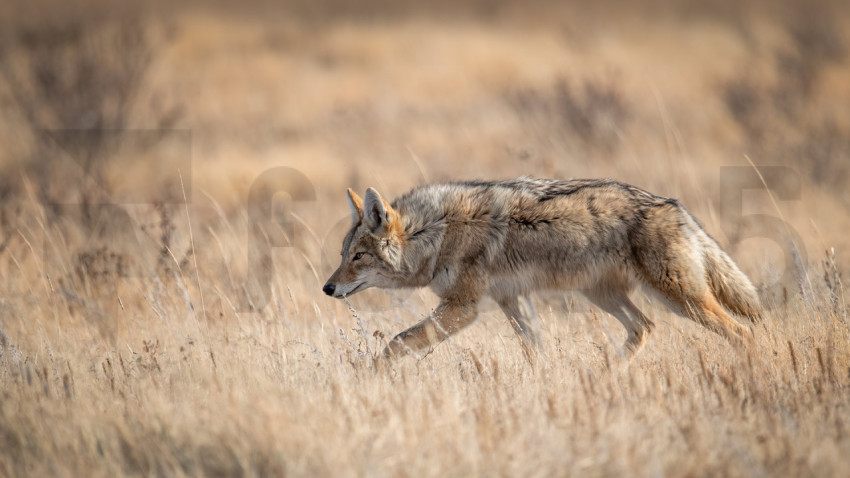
[356, 206]
[506, 239]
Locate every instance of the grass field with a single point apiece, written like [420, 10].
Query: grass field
[172, 199]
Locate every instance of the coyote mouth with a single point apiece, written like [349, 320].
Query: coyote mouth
[357, 288]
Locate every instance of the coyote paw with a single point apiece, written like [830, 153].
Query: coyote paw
[382, 363]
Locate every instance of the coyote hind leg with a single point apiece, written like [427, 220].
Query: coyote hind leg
[676, 270]
[616, 302]
[520, 313]
[690, 297]
[704, 309]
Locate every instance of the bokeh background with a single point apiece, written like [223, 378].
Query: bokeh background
[172, 181]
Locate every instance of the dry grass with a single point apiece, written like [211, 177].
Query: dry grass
[141, 335]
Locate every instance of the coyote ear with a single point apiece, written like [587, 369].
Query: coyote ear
[356, 206]
[376, 212]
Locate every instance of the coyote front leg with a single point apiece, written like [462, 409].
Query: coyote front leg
[449, 317]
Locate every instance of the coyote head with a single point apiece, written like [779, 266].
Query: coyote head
[371, 251]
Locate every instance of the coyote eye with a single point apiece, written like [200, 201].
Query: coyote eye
[357, 256]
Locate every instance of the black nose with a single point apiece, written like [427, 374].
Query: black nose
[329, 289]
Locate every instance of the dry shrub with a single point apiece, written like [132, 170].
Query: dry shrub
[786, 120]
[74, 85]
[590, 117]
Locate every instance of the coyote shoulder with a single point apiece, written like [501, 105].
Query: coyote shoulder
[505, 239]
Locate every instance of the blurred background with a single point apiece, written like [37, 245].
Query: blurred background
[114, 117]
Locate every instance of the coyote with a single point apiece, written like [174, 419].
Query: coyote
[505, 239]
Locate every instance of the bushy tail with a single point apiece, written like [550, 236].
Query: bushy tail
[732, 287]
